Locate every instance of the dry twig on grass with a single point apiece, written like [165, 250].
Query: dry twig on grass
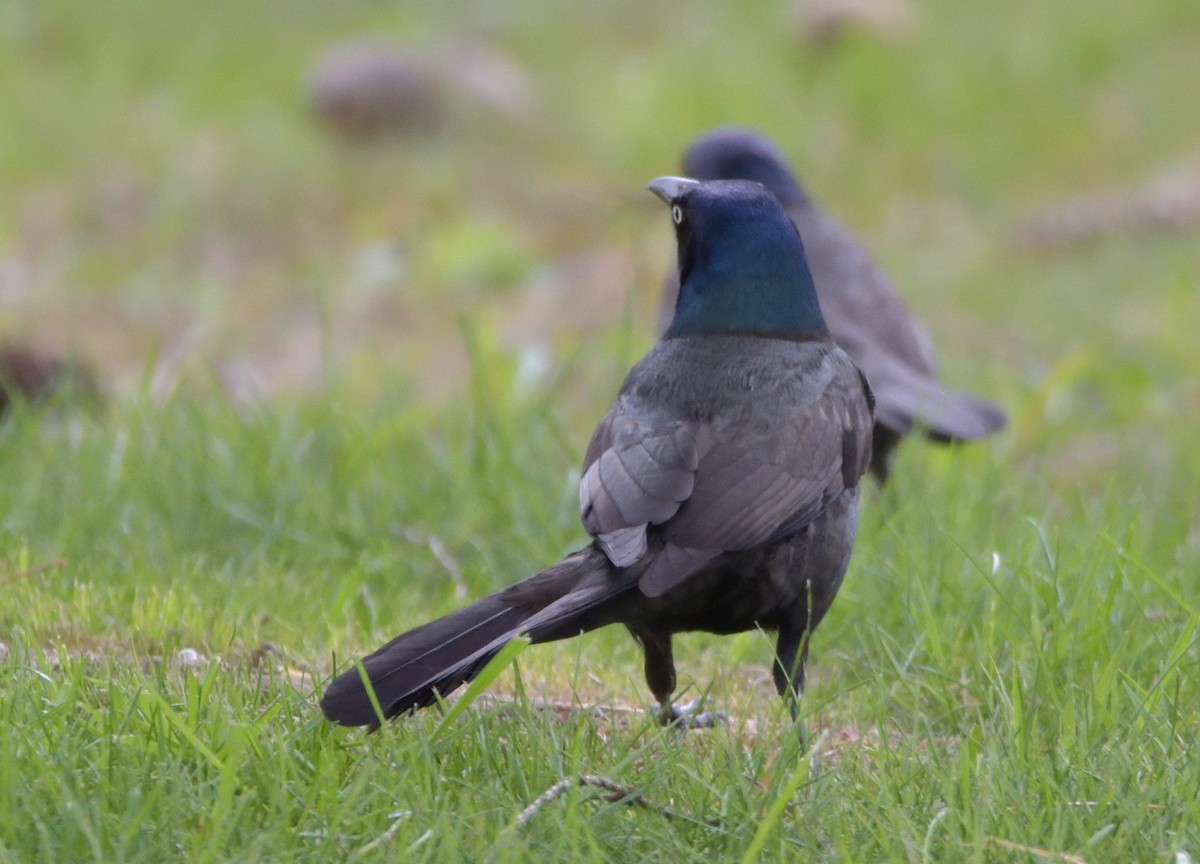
[17, 575]
[617, 792]
[1048, 854]
[1171, 203]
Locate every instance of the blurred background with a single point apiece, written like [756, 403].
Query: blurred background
[356, 280]
[265, 196]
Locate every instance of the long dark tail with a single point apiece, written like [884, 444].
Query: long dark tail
[416, 667]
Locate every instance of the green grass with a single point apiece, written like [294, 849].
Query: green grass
[1009, 671]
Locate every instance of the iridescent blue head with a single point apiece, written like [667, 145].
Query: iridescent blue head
[741, 263]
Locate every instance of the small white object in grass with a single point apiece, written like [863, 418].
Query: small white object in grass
[995, 563]
[190, 658]
[533, 365]
[420, 841]
[1182, 857]
[379, 267]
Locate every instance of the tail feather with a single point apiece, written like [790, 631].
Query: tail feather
[906, 397]
[413, 669]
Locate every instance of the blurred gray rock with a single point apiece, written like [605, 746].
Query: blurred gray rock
[827, 21]
[364, 90]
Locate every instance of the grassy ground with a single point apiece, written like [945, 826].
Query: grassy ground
[1009, 672]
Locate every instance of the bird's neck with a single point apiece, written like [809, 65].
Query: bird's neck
[767, 297]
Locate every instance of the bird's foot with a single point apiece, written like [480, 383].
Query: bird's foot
[689, 716]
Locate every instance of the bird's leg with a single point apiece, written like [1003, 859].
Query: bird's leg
[660, 675]
[883, 442]
[791, 651]
[660, 668]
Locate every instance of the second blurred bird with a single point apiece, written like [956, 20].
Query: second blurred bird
[864, 313]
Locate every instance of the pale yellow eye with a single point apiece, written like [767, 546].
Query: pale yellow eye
[677, 214]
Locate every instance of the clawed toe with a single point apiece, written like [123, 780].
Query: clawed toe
[689, 716]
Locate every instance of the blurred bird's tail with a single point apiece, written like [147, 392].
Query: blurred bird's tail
[908, 397]
[416, 667]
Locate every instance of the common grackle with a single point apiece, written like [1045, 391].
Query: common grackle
[720, 489]
[866, 316]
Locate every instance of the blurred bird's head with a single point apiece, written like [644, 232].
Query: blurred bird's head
[741, 263]
[731, 153]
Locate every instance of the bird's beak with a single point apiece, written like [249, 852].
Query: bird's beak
[670, 188]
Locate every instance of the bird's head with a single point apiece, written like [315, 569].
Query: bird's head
[741, 263]
[732, 153]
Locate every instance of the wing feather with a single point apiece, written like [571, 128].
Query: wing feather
[725, 484]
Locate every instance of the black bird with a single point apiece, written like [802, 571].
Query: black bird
[720, 489]
[866, 316]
